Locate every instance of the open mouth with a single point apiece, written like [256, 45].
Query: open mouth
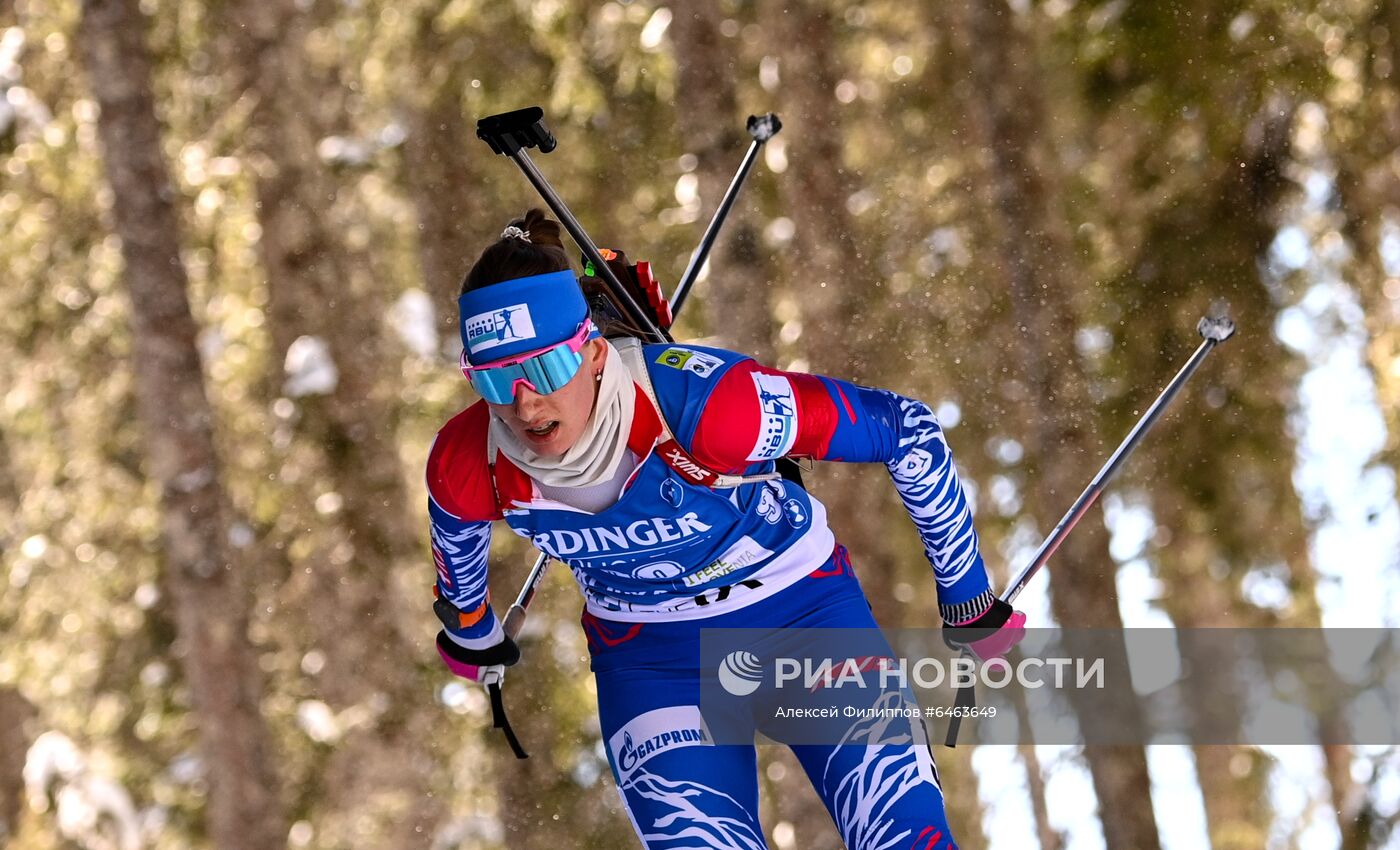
[544, 429]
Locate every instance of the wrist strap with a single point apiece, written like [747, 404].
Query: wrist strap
[967, 698]
[500, 721]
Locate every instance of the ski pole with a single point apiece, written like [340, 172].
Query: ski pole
[1213, 331]
[515, 617]
[761, 129]
[510, 134]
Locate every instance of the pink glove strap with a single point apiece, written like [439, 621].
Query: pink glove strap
[466, 671]
[999, 642]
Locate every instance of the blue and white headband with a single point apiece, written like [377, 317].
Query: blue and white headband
[519, 315]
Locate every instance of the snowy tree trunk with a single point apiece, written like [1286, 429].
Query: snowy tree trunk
[1346, 797]
[201, 568]
[1230, 222]
[840, 308]
[1370, 192]
[834, 287]
[446, 192]
[16, 713]
[1004, 117]
[15, 710]
[961, 795]
[315, 286]
[1035, 777]
[813, 193]
[1233, 779]
[378, 778]
[737, 292]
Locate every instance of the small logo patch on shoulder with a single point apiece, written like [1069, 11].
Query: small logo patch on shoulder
[689, 360]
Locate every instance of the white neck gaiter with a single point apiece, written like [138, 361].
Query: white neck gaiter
[602, 446]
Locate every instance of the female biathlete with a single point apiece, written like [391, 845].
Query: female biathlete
[648, 470]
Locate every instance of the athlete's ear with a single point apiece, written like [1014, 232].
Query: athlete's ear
[595, 354]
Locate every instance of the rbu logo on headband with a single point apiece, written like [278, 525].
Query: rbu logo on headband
[499, 327]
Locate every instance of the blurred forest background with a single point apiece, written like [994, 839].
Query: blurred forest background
[232, 233]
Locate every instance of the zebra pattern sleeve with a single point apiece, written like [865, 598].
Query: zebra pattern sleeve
[927, 480]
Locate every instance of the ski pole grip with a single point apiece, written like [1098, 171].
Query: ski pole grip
[508, 132]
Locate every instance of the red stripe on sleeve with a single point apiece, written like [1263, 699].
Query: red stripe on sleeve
[816, 415]
[850, 414]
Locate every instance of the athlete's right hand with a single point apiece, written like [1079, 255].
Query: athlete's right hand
[487, 666]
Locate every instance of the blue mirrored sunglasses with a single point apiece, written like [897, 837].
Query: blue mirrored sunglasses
[544, 370]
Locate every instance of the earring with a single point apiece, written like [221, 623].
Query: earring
[598, 376]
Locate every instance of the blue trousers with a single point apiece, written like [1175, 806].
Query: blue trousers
[683, 791]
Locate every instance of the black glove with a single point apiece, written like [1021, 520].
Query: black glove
[473, 663]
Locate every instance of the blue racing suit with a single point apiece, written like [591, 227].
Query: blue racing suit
[673, 556]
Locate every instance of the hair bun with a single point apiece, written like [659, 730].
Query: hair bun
[528, 246]
[543, 229]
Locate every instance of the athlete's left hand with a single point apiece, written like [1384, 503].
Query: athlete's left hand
[990, 635]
